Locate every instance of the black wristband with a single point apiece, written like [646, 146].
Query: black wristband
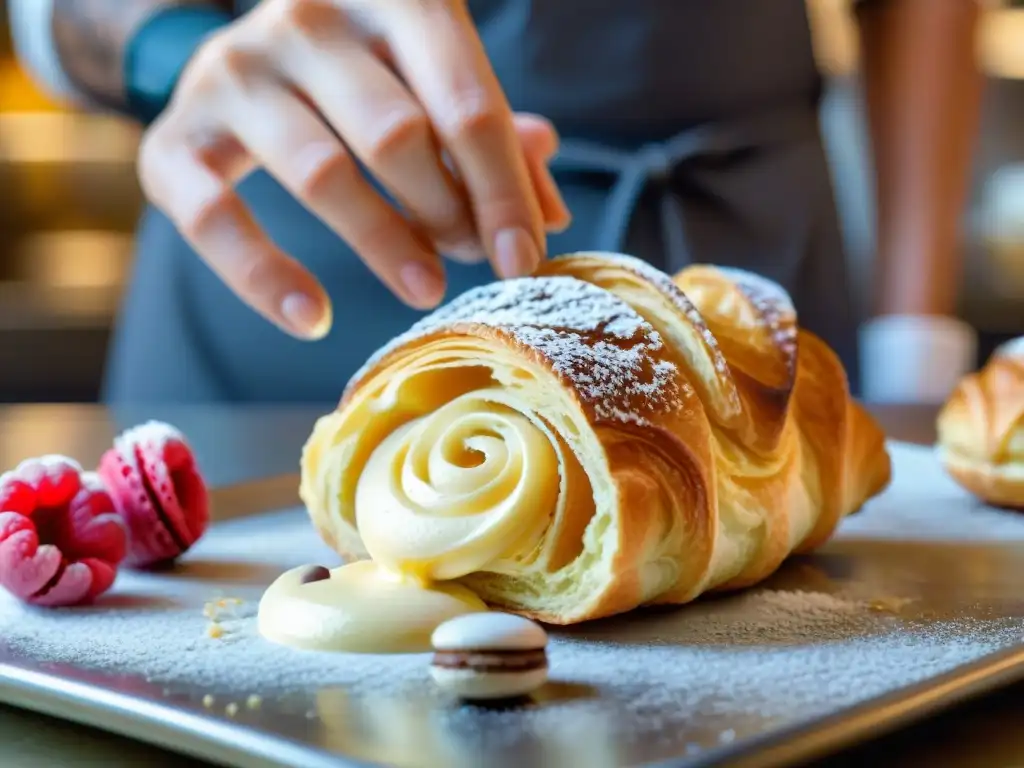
[158, 52]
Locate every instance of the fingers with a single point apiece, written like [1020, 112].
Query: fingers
[216, 223]
[294, 88]
[440, 56]
[286, 137]
[389, 131]
[540, 143]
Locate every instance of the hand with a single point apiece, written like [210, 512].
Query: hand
[308, 88]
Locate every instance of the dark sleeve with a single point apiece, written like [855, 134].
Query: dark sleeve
[158, 51]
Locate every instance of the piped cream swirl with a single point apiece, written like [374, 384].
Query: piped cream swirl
[453, 492]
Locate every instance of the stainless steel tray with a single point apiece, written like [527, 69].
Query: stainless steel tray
[928, 580]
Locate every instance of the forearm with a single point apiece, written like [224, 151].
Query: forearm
[922, 88]
[90, 37]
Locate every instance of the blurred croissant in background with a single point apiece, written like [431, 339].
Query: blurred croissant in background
[981, 429]
[595, 438]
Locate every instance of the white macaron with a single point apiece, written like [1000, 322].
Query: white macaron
[488, 656]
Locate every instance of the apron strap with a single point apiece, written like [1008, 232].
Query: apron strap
[657, 163]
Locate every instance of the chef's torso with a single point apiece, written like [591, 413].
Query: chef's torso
[645, 69]
[688, 134]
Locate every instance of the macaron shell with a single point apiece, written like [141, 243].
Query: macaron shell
[150, 540]
[189, 487]
[489, 631]
[103, 575]
[152, 462]
[25, 565]
[73, 586]
[97, 531]
[472, 685]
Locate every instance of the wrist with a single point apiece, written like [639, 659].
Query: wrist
[159, 50]
[915, 358]
[917, 276]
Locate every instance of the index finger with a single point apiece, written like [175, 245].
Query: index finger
[439, 54]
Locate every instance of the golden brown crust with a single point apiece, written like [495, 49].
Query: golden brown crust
[755, 326]
[990, 487]
[981, 431]
[846, 459]
[706, 406]
[613, 362]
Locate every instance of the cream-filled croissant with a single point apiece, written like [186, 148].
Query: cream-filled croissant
[981, 429]
[595, 438]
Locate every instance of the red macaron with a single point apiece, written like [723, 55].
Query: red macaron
[61, 540]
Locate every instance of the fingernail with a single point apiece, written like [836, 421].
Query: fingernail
[515, 252]
[307, 316]
[424, 285]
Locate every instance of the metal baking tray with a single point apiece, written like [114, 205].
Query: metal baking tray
[924, 563]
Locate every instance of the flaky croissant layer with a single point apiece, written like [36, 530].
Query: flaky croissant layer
[595, 438]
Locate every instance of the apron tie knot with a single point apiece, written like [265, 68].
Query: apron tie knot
[657, 162]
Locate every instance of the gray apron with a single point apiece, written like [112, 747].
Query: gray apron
[689, 134]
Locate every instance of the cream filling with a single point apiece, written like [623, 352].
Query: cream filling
[445, 495]
[472, 485]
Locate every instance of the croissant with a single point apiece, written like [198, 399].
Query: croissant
[595, 438]
[981, 429]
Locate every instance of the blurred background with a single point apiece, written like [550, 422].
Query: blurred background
[69, 201]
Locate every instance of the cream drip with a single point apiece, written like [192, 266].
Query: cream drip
[361, 608]
[443, 496]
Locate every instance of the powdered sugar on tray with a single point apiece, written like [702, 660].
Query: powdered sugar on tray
[826, 632]
[923, 503]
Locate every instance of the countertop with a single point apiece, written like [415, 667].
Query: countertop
[235, 444]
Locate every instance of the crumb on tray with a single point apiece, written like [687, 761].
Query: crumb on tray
[887, 604]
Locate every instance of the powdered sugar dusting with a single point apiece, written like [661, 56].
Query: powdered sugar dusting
[761, 290]
[679, 299]
[826, 632]
[31, 471]
[773, 303]
[604, 349]
[91, 482]
[153, 435]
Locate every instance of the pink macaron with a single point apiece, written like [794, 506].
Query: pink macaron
[152, 476]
